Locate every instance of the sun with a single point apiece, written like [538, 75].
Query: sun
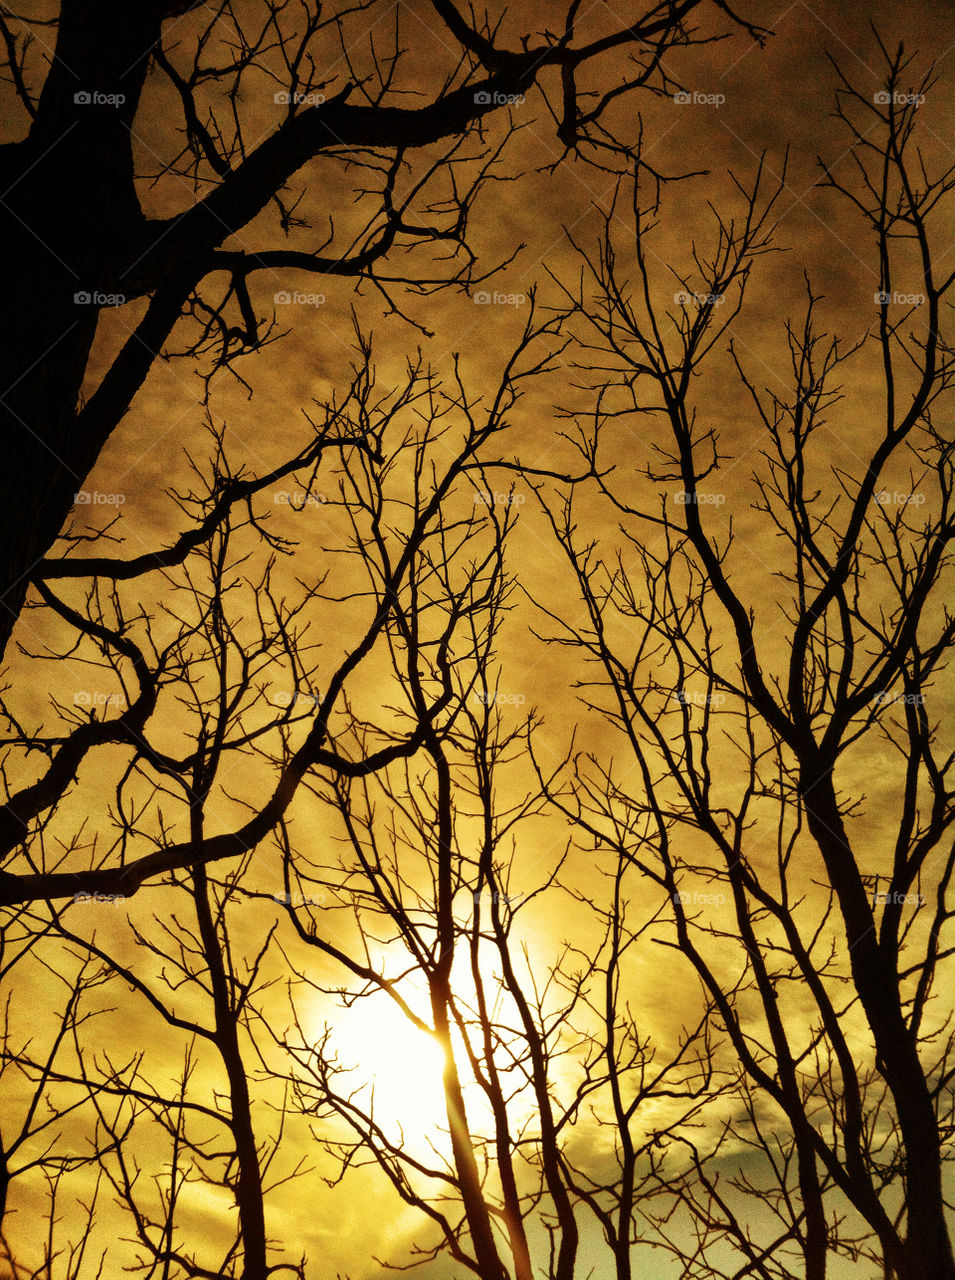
[399, 1066]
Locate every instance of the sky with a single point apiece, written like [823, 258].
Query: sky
[746, 102]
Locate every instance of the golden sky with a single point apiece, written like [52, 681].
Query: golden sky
[770, 100]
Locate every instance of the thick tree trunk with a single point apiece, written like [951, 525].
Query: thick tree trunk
[927, 1250]
[43, 354]
[465, 1162]
[69, 218]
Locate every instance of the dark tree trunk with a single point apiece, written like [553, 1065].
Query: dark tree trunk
[927, 1250]
[249, 1193]
[69, 217]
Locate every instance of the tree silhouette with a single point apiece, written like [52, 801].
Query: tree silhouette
[80, 241]
[298, 786]
[736, 838]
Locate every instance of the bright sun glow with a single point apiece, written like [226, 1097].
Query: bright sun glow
[385, 1052]
[401, 1063]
